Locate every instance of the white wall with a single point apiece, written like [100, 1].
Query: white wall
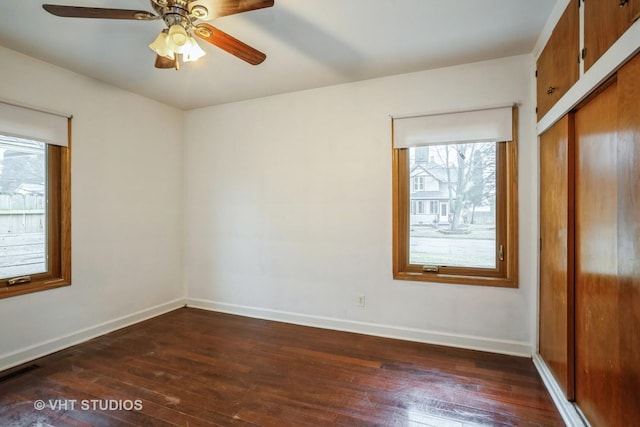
[127, 213]
[288, 209]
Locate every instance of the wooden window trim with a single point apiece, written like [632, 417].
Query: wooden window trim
[506, 273]
[58, 226]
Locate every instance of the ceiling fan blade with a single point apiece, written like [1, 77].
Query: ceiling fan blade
[230, 44]
[97, 12]
[231, 7]
[164, 62]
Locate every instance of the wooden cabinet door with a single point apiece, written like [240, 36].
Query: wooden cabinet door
[604, 22]
[634, 10]
[558, 65]
[597, 304]
[556, 252]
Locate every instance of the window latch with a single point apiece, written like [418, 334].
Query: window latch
[501, 253]
[430, 268]
[18, 280]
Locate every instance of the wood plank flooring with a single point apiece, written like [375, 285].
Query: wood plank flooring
[197, 368]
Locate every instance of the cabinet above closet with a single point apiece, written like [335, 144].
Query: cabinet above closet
[558, 65]
[590, 40]
[604, 22]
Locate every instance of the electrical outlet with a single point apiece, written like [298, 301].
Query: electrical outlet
[361, 301]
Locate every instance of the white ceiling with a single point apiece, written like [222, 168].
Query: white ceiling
[308, 43]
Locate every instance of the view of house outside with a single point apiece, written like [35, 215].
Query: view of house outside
[452, 191]
[22, 207]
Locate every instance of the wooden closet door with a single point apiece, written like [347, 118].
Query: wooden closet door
[597, 289]
[629, 239]
[607, 135]
[556, 252]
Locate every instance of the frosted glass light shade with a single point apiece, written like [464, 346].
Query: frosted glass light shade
[195, 52]
[178, 39]
[161, 47]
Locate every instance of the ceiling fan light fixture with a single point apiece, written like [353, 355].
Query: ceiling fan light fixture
[194, 53]
[176, 43]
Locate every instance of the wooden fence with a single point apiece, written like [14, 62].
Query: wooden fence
[22, 234]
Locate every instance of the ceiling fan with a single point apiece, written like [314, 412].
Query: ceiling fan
[183, 20]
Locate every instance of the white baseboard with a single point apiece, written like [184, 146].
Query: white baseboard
[568, 411]
[515, 348]
[19, 357]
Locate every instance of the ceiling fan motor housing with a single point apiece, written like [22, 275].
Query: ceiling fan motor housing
[181, 12]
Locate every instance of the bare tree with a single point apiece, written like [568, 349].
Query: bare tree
[470, 170]
[21, 168]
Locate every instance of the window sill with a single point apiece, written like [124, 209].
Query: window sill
[36, 286]
[501, 282]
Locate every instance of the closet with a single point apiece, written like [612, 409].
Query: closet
[590, 251]
[589, 289]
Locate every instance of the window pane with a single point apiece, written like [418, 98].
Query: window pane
[22, 207]
[459, 229]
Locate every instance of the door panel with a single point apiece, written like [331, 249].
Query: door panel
[557, 66]
[604, 22]
[597, 329]
[556, 252]
[629, 238]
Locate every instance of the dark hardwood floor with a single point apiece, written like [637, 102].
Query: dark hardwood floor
[198, 368]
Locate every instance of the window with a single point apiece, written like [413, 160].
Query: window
[35, 206]
[433, 207]
[471, 234]
[418, 183]
[443, 209]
